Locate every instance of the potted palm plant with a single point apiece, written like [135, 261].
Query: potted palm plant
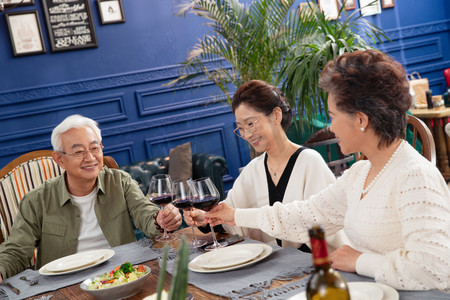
[274, 41]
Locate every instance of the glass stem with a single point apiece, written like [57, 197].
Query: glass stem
[165, 231]
[216, 244]
[195, 237]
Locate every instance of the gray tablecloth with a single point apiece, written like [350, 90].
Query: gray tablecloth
[283, 263]
[134, 253]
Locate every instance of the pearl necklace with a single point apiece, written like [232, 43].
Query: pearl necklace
[365, 190]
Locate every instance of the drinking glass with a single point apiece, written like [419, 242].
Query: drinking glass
[160, 192]
[185, 193]
[208, 196]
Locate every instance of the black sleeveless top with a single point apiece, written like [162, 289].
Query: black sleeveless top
[276, 193]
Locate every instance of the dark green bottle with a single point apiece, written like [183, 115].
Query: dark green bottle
[325, 282]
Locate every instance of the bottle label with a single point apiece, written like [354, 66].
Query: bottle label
[320, 252]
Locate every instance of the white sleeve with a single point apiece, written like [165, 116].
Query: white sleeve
[422, 201]
[291, 221]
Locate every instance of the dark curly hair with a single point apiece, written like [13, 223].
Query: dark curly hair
[263, 97]
[372, 83]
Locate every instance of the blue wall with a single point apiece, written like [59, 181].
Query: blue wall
[119, 83]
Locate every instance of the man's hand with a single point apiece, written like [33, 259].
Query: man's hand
[169, 218]
[221, 214]
[344, 258]
[195, 217]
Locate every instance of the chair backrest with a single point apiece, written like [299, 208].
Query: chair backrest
[335, 159]
[421, 133]
[22, 175]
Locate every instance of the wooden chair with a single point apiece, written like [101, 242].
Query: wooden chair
[335, 159]
[22, 175]
[421, 133]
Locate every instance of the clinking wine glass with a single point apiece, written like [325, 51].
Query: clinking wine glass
[185, 194]
[160, 192]
[208, 196]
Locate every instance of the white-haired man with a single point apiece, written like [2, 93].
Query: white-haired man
[88, 207]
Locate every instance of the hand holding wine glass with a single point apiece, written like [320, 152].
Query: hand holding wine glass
[185, 194]
[208, 196]
[160, 192]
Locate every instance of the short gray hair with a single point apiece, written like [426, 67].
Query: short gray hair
[73, 121]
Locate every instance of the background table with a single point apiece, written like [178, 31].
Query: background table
[436, 119]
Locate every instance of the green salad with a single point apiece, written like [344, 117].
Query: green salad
[122, 274]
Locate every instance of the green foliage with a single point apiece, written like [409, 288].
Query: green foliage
[260, 39]
[178, 285]
[300, 76]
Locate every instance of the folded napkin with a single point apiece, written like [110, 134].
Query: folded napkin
[134, 253]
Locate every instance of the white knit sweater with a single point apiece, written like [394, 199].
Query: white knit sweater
[402, 225]
[309, 176]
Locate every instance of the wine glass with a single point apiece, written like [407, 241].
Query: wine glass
[208, 196]
[185, 193]
[160, 192]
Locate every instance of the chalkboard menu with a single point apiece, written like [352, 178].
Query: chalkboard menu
[69, 24]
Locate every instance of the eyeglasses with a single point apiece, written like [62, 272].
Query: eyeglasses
[82, 154]
[249, 127]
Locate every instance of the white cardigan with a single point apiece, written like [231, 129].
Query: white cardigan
[309, 176]
[402, 225]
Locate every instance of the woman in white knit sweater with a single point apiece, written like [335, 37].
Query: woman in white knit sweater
[394, 207]
[285, 169]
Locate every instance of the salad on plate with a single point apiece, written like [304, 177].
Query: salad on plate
[120, 275]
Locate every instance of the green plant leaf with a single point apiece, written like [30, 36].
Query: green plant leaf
[162, 273]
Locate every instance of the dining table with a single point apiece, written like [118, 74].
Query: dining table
[282, 274]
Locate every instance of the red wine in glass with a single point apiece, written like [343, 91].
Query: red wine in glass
[163, 199]
[185, 194]
[160, 192]
[208, 196]
[206, 203]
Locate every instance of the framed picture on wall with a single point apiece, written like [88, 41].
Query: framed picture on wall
[387, 3]
[111, 11]
[330, 8]
[69, 24]
[8, 3]
[350, 4]
[370, 7]
[25, 33]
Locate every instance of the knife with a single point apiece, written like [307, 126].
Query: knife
[15, 290]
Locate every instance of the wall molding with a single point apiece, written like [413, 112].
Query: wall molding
[418, 30]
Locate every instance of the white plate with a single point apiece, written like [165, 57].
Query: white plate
[363, 291]
[75, 261]
[229, 256]
[103, 255]
[267, 250]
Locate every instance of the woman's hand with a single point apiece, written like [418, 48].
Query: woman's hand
[344, 258]
[221, 214]
[169, 218]
[195, 217]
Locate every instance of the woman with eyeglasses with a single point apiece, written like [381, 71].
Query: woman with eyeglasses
[285, 171]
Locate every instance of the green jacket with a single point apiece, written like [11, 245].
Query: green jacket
[49, 221]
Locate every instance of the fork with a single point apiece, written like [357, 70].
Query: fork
[30, 282]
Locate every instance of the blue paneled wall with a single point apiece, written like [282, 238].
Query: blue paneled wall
[120, 83]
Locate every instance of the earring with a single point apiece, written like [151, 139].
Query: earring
[363, 129]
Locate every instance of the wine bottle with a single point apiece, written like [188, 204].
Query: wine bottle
[325, 282]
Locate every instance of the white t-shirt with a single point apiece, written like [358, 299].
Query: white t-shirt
[91, 235]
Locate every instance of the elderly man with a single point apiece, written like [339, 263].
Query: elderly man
[88, 207]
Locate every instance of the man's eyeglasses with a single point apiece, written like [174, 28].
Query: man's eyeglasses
[82, 154]
[249, 127]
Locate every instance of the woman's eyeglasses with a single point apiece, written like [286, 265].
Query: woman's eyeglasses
[249, 127]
